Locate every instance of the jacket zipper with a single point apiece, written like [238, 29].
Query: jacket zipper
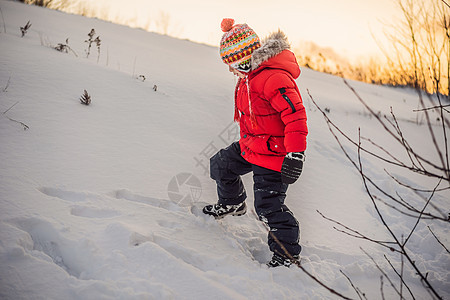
[282, 92]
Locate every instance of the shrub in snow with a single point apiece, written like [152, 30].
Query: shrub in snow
[91, 41]
[85, 98]
[64, 47]
[25, 28]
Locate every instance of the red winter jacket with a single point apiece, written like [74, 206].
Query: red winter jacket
[275, 122]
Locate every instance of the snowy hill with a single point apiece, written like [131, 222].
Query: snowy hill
[103, 201]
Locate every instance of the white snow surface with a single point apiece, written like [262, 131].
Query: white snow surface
[88, 194]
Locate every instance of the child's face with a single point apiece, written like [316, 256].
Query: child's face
[236, 72]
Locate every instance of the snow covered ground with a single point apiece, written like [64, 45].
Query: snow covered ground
[103, 201]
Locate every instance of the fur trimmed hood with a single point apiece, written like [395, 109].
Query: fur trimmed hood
[271, 46]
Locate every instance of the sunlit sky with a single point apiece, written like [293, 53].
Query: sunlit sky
[344, 25]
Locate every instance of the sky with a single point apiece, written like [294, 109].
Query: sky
[346, 26]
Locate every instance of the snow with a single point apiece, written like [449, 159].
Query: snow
[89, 206]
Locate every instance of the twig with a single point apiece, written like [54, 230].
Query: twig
[446, 3]
[433, 137]
[413, 188]
[399, 140]
[446, 249]
[401, 245]
[402, 265]
[433, 107]
[357, 290]
[381, 270]
[420, 216]
[400, 275]
[425, 216]
[401, 201]
[25, 126]
[11, 107]
[382, 149]
[358, 235]
[402, 165]
[423, 277]
[7, 85]
[405, 144]
[388, 228]
[381, 287]
[444, 131]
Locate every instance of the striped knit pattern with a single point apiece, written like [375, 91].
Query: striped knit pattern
[237, 46]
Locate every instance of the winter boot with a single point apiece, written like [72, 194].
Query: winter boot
[219, 211]
[278, 260]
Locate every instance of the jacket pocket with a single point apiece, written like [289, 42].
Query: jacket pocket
[276, 145]
[257, 144]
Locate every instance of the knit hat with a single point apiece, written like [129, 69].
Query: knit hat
[237, 45]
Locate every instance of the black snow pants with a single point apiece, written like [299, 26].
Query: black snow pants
[226, 168]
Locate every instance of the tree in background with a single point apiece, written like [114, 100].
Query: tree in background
[420, 46]
[416, 51]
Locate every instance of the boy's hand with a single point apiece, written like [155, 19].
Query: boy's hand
[292, 167]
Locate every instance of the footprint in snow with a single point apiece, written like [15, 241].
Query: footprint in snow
[93, 212]
[64, 194]
[161, 203]
[136, 239]
[49, 244]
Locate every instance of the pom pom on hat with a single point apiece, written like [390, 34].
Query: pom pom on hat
[227, 24]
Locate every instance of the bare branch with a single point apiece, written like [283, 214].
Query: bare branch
[434, 107]
[421, 213]
[403, 203]
[381, 270]
[446, 249]
[402, 165]
[402, 246]
[382, 288]
[405, 144]
[433, 137]
[11, 107]
[413, 188]
[425, 215]
[25, 126]
[399, 139]
[359, 235]
[7, 85]
[400, 275]
[357, 290]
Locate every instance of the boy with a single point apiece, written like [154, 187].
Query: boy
[273, 130]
